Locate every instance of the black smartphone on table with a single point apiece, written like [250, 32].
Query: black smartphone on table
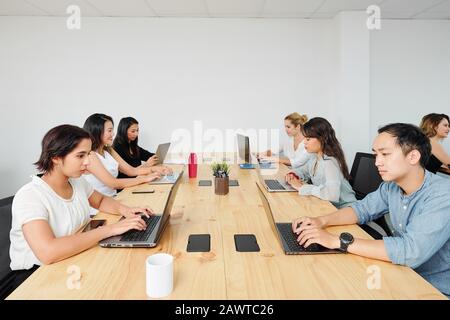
[199, 243]
[94, 224]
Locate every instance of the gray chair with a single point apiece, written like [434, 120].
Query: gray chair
[364, 180]
[5, 227]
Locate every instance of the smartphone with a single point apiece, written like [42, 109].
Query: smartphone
[246, 243]
[142, 192]
[93, 224]
[199, 243]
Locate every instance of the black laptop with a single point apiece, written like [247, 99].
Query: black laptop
[287, 237]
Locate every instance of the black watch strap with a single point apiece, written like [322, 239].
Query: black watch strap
[346, 239]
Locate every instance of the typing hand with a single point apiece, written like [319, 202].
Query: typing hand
[166, 170]
[137, 211]
[125, 225]
[305, 223]
[153, 177]
[152, 161]
[319, 236]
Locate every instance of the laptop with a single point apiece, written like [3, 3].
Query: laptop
[287, 238]
[244, 153]
[149, 237]
[161, 152]
[274, 184]
[168, 179]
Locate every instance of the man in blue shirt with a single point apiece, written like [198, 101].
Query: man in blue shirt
[417, 200]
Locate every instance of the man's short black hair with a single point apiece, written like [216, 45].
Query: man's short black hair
[409, 137]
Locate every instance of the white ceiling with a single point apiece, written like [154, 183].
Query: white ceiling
[314, 9]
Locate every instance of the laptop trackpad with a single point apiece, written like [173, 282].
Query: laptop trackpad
[246, 243]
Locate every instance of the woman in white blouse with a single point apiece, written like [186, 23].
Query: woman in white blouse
[327, 171]
[105, 162]
[292, 151]
[48, 211]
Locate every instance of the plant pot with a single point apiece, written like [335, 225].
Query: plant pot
[222, 185]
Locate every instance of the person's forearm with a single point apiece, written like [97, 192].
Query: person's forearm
[109, 205]
[128, 182]
[144, 170]
[374, 249]
[65, 247]
[341, 217]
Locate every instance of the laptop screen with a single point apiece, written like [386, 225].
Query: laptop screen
[169, 205]
[161, 152]
[243, 148]
[267, 209]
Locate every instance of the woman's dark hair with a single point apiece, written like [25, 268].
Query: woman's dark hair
[430, 122]
[95, 125]
[322, 130]
[59, 142]
[409, 137]
[121, 139]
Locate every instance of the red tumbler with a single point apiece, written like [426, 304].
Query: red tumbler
[192, 165]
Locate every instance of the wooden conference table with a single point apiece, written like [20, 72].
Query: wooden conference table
[224, 273]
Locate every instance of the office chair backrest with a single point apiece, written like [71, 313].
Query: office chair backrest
[5, 228]
[364, 173]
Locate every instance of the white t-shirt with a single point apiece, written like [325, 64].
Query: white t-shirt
[38, 201]
[112, 166]
[298, 157]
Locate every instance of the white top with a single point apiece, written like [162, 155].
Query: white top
[327, 181]
[38, 201]
[298, 157]
[112, 166]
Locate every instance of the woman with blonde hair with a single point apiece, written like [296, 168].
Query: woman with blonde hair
[436, 127]
[292, 151]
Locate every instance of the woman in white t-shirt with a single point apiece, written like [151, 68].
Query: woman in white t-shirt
[105, 162]
[292, 151]
[48, 211]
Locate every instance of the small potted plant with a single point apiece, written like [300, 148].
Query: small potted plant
[221, 172]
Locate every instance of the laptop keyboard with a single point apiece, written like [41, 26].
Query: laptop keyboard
[274, 185]
[291, 239]
[135, 235]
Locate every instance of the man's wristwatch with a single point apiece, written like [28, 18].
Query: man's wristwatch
[346, 240]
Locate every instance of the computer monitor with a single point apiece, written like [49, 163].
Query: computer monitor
[244, 147]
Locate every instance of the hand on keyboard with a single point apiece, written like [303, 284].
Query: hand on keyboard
[128, 212]
[152, 177]
[312, 235]
[302, 223]
[124, 225]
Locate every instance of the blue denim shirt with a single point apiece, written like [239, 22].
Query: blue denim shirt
[421, 224]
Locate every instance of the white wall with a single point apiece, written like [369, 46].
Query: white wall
[352, 82]
[410, 71]
[229, 73]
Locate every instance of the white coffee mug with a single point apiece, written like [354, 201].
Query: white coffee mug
[159, 274]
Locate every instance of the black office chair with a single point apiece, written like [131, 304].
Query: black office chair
[5, 228]
[364, 180]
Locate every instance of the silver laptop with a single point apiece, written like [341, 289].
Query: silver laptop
[161, 152]
[287, 238]
[149, 237]
[274, 184]
[249, 159]
[168, 179]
